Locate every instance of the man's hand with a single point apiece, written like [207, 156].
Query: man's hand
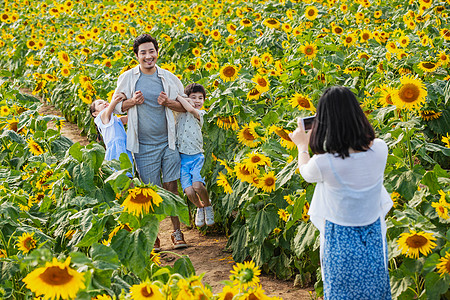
[138, 98]
[163, 99]
[118, 98]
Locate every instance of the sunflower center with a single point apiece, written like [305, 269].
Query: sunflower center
[388, 99]
[252, 296]
[228, 296]
[140, 198]
[442, 209]
[29, 243]
[246, 21]
[309, 50]
[348, 39]
[428, 65]
[447, 266]
[146, 292]
[303, 103]
[256, 159]
[262, 82]
[272, 22]
[245, 171]
[254, 92]
[338, 30]
[409, 93]
[269, 181]
[229, 71]
[248, 135]
[56, 276]
[311, 12]
[416, 241]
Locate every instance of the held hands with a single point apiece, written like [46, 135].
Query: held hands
[138, 98]
[299, 136]
[118, 98]
[163, 99]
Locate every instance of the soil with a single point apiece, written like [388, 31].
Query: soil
[207, 251]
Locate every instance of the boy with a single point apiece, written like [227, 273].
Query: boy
[190, 146]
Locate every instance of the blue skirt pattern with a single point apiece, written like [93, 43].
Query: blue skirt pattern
[353, 263]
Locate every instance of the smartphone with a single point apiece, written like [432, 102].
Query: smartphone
[308, 122]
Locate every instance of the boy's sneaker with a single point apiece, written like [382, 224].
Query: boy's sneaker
[200, 217]
[209, 216]
[178, 239]
[157, 245]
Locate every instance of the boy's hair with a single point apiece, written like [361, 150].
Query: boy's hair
[144, 38]
[195, 88]
[340, 124]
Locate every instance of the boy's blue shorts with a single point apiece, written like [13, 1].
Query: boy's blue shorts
[191, 165]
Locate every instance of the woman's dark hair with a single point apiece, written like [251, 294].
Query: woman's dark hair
[195, 88]
[340, 124]
[144, 38]
[92, 108]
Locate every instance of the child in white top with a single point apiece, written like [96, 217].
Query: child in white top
[111, 127]
[190, 146]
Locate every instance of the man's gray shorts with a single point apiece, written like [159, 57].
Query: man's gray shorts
[154, 161]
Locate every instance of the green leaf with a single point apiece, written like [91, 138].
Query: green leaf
[405, 181]
[430, 180]
[75, 151]
[104, 258]
[95, 232]
[83, 176]
[184, 267]
[285, 175]
[270, 118]
[264, 223]
[436, 285]
[304, 238]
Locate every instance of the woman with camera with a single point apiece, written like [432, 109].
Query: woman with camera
[349, 202]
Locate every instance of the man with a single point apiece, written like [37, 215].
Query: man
[151, 121]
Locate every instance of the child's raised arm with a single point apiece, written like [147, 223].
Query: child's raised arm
[106, 116]
[188, 107]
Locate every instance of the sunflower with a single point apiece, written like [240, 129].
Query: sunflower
[254, 160]
[229, 73]
[305, 216]
[445, 33]
[403, 41]
[272, 23]
[146, 290]
[444, 265]
[255, 61]
[26, 242]
[140, 200]
[429, 115]
[34, 147]
[301, 102]
[349, 40]
[286, 27]
[267, 58]
[102, 297]
[245, 275]
[311, 13]
[215, 34]
[386, 95]
[230, 40]
[411, 243]
[337, 30]
[197, 52]
[363, 55]
[411, 94]
[228, 292]
[227, 123]
[246, 22]
[253, 94]
[309, 49]
[248, 136]
[55, 280]
[231, 28]
[441, 209]
[446, 140]
[223, 182]
[245, 173]
[13, 123]
[262, 83]
[63, 58]
[267, 182]
[283, 214]
[4, 111]
[428, 66]
[443, 58]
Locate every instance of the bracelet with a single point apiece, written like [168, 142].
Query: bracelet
[304, 151]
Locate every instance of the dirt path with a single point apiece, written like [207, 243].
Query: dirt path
[207, 252]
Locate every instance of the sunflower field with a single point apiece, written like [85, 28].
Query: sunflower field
[66, 215]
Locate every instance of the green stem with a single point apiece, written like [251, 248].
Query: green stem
[408, 141]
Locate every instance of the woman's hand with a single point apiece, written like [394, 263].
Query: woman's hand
[300, 137]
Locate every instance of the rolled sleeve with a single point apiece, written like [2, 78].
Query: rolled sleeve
[311, 171]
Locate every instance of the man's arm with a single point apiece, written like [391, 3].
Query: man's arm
[138, 98]
[174, 105]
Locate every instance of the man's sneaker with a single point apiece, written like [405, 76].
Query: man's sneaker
[157, 245]
[178, 239]
[200, 217]
[209, 216]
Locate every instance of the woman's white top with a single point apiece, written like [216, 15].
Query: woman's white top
[349, 191]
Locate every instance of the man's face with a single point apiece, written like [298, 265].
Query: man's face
[147, 57]
[198, 99]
